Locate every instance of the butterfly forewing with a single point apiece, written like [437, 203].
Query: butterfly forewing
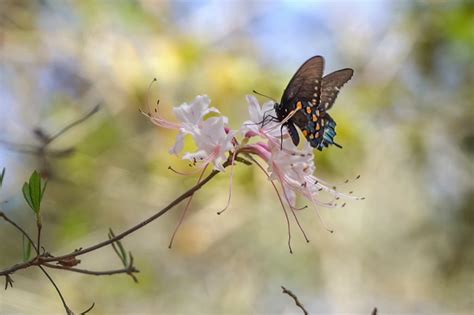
[305, 85]
[331, 84]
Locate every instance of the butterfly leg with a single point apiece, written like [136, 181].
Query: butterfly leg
[268, 118]
[281, 137]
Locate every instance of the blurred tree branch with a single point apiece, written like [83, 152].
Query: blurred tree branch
[42, 150]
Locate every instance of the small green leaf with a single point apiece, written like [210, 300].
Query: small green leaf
[26, 249]
[124, 254]
[35, 191]
[118, 248]
[1, 177]
[26, 195]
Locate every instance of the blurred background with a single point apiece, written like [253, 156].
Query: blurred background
[405, 121]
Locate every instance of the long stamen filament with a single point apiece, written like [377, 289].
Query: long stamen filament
[232, 165]
[183, 214]
[281, 202]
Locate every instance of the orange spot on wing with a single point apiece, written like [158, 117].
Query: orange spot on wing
[308, 109]
[305, 133]
[299, 105]
[315, 117]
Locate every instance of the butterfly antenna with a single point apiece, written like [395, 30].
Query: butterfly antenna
[258, 93]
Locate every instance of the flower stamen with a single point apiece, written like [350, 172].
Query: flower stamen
[232, 166]
[183, 214]
[281, 202]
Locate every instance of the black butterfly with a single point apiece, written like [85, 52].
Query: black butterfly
[312, 95]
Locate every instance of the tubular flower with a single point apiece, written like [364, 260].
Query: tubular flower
[208, 134]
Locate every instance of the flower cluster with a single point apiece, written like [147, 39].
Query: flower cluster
[261, 140]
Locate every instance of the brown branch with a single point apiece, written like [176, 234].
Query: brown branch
[297, 302]
[66, 307]
[38, 239]
[175, 202]
[128, 270]
[8, 282]
[19, 228]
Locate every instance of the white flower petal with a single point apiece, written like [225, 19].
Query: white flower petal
[193, 113]
[179, 145]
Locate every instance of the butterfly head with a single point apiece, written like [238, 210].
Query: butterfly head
[281, 111]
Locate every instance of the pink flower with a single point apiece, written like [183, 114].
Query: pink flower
[261, 122]
[209, 134]
[290, 167]
[213, 142]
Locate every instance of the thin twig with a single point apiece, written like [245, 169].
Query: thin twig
[19, 228]
[297, 302]
[66, 307]
[8, 281]
[184, 196]
[127, 270]
[38, 227]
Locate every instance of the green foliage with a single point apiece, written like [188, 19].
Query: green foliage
[26, 249]
[33, 191]
[119, 249]
[1, 177]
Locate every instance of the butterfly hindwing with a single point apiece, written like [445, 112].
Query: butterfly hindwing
[331, 85]
[312, 124]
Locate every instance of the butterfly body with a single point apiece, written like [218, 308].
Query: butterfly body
[309, 95]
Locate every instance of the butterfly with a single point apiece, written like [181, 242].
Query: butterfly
[312, 95]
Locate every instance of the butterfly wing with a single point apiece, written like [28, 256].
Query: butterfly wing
[305, 85]
[330, 86]
[319, 129]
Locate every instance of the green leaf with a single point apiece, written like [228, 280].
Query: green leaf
[124, 253]
[26, 195]
[118, 248]
[1, 177]
[35, 191]
[26, 249]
